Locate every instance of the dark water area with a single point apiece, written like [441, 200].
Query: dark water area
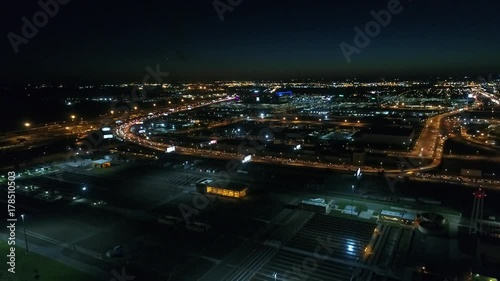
[39, 109]
[41, 106]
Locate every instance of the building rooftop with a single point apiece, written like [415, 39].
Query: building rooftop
[403, 215]
[228, 185]
[101, 161]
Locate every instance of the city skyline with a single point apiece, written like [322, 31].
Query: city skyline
[250, 140]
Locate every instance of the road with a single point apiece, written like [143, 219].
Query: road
[429, 145]
[124, 133]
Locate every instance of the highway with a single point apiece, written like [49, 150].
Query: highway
[428, 145]
[39, 136]
[429, 139]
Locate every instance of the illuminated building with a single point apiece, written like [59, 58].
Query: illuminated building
[209, 186]
[102, 163]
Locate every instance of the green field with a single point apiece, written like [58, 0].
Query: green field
[27, 266]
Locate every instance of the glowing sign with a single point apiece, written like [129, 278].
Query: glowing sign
[247, 159]
[287, 93]
[358, 173]
[213, 142]
[108, 136]
[170, 149]
[106, 129]
[142, 131]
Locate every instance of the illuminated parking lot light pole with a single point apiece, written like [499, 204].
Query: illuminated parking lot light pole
[352, 199]
[25, 237]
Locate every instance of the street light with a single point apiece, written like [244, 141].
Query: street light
[25, 237]
[73, 117]
[352, 198]
[27, 125]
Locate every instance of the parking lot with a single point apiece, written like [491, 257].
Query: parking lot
[287, 265]
[118, 207]
[292, 251]
[348, 238]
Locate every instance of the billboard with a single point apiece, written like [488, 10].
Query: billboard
[247, 159]
[358, 173]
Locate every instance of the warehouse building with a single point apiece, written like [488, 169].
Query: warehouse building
[318, 205]
[233, 190]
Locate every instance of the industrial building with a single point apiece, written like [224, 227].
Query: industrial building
[318, 205]
[257, 96]
[101, 163]
[231, 189]
[400, 217]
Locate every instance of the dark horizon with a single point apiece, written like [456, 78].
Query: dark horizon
[257, 40]
[172, 79]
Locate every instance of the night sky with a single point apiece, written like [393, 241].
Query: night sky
[260, 39]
